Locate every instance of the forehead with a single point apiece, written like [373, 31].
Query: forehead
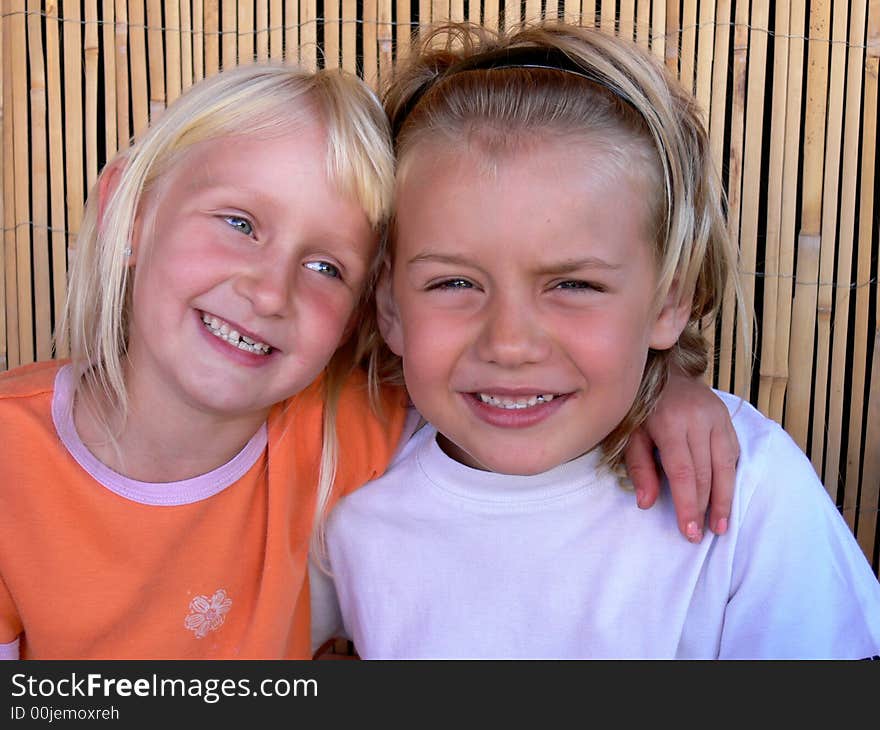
[557, 173]
[229, 154]
[488, 152]
[550, 203]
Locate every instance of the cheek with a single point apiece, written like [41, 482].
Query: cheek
[613, 345]
[326, 317]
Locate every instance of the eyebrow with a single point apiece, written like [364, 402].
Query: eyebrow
[563, 267]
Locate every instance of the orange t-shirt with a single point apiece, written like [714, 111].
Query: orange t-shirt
[93, 565]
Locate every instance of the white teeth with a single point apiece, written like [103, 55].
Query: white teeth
[221, 329]
[511, 404]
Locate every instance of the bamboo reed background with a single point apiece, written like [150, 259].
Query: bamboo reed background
[789, 90]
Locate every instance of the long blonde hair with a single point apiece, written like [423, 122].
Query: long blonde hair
[264, 98]
[458, 89]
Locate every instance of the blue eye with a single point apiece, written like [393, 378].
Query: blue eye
[578, 285]
[242, 225]
[322, 267]
[452, 284]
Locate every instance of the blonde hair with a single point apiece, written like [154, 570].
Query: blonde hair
[458, 90]
[263, 98]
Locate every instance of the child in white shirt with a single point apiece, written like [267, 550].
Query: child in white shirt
[559, 237]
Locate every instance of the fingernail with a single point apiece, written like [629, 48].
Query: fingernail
[693, 532]
[640, 497]
[721, 526]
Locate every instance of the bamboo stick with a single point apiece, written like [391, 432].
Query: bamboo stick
[198, 38]
[385, 41]
[261, 30]
[22, 262]
[789, 208]
[532, 12]
[569, 10]
[734, 186]
[673, 35]
[173, 72]
[157, 57]
[137, 59]
[626, 19]
[797, 407]
[491, 16]
[751, 189]
[245, 32]
[108, 55]
[228, 34]
[511, 14]
[187, 41]
[825, 293]
[706, 36]
[768, 374]
[292, 29]
[607, 17]
[39, 209]
[869, 503]
[349, 38]
[687, 64]
[308, 34]
[56, 167]
[643, 23]
[870, 491]
[276, 25]
[371, 51]
[867, 222]
[456, 9]
[658, 29]
[424, 16]
[121, 93]
[439, 11]
[717, 113]
[331, 33]
[849, 175]
[588, 13]
[11, 357]
[212, 36]
[403, 31]
[73, 119]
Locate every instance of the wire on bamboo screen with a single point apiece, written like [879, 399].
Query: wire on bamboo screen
[789, 92]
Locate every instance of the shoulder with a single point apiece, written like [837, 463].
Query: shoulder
[368, 429]
[390, 498]
[26, 395]
[775, 478]
[764, 445]
[29, 380]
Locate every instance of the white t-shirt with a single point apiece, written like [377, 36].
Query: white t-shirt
[438, 560]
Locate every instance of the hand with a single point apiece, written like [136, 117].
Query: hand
[698, 449]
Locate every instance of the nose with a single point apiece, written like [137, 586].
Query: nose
[268, 286]
[512, 334]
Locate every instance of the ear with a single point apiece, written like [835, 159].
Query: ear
[387, 312]
[108, 182]
[671, 319]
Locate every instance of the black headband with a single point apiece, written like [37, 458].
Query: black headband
[552, 59]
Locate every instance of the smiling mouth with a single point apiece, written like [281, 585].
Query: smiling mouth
[224, 331]
[509, 403]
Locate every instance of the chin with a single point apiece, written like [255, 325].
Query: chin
[518, 467]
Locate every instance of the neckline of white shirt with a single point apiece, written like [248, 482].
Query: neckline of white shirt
[476, 485]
